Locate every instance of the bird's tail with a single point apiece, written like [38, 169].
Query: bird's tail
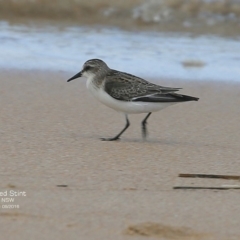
[184, 98]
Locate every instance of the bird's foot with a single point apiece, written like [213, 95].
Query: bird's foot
[110, 139]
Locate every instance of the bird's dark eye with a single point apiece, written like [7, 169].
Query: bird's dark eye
[87, 68]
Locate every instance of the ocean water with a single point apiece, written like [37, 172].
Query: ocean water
[188, 13]
[146, 54]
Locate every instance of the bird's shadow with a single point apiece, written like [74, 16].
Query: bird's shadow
[149, 140]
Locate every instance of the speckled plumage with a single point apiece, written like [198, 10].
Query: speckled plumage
[127, 87]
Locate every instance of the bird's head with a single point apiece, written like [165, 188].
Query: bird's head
[90, 69]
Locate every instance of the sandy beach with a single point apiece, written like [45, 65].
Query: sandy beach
[78, 187]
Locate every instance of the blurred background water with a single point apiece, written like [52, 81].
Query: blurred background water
[196, 39]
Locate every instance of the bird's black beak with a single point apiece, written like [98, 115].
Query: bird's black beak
[78, 75]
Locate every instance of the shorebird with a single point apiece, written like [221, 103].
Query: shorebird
[127, 93]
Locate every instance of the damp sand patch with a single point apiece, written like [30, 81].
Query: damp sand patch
[159, 230]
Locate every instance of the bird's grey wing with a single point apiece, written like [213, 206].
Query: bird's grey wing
[126, 87]
[122, 89]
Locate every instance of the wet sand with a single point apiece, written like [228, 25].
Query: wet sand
[79, 187]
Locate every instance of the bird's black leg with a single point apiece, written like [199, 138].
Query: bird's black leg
[118, 136]
[144, 127]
